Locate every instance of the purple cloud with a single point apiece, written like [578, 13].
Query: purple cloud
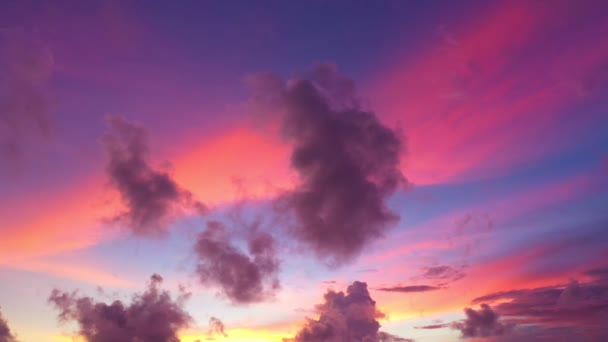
[243, 278]
[346, 159]
[443, 273]
[151, 316]
[5, 331]
[578, 309]
[346, 317]
[386, 337]
[151, 196]
[216, 327]
[481, 323]
[409, 289]
[434, 326]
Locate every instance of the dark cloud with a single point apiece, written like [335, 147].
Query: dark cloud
[243, 278]
[434, 326]
[151, 316]
[26, 64]
[346, 159]
[351, 317]
[409, 289]
[580, 308]
[151, 196]
[481, 323]
[5, 331]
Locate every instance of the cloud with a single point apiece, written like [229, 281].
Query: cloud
[26, 64]
[443, 273]
[346, 159]
[151, 196]
[408, 289]
[434, 326]
[386, 337]
[243, 278]
[346, 317]
[151, 316]
[600, 274]
[216, 327]
[581, 307]
[5, 331]
[481, 323]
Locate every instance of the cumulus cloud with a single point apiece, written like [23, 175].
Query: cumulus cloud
[350, 316]
[151, 316]
[151, 196]
[5, 331]
[481, 323]
[346, 159]
[409, 289]
[26, 64]
[242, 277]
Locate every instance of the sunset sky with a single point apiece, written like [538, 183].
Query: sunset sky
[258, 155]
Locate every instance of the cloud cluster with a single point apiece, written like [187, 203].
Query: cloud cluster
[581, 308]
[5, 331]
[242, 277]
[346, 317]
[151, 196]
[574, 312]
[26, 64]
[151, 316]
[481, 323]
[346, 159]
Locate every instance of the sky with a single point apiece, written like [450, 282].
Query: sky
[303, 171]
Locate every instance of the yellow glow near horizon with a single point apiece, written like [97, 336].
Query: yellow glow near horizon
[239, 335]
[67, 338]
